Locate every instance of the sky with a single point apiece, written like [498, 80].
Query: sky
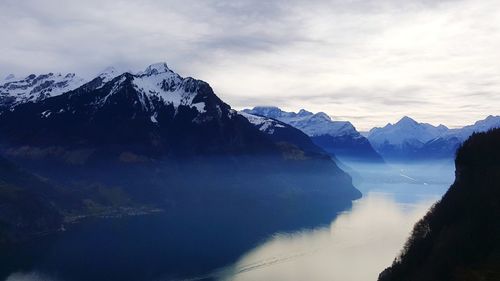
[370, 62]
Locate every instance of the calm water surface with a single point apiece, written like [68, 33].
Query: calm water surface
[359, 243]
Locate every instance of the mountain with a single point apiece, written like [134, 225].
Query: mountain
[458, 239]
[403, 139]
[445, 145]
[155, 112]
[410, 140]
[338, 138]
[285, 135]
[35, 88]
[157, 139]
[297, 141]
[404, 131]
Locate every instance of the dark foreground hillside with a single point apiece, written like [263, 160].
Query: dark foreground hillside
[459, 238]
[27, 204]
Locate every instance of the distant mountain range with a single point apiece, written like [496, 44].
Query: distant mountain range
[156, 139]
[409, 140]
[284, 134]
[339, 138]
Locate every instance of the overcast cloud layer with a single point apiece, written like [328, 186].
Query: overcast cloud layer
[370, 62]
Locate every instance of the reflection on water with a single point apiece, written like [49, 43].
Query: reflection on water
[358, 244]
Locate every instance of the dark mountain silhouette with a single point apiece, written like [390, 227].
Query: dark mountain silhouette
[28, 206]
[459, 238]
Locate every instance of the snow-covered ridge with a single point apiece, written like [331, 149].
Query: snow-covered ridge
[156, 68]
[490, 122]
[405, 130]
[266, 125]
[157, 81]
[34, 88]
[109, 73]
[409, 131]
[313, 124]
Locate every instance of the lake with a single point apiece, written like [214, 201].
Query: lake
[356, 245]
[360, 243]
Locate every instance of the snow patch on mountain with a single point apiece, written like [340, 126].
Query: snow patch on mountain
[46, 113]
[266, 125]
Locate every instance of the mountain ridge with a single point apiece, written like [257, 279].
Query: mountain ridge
[410, 140]
[34, 88]
[338, 138]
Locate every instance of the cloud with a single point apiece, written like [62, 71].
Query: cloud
[422, 58]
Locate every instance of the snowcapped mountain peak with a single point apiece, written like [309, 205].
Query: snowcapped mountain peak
[406, 130]
[34, 88]
[156, 85]
[442, 127]
[268, 111]
[406, 121]
[322, 115]
[304, 112]
[109, 73]
[156, 68]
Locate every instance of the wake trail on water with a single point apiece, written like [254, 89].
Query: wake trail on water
[247, 268]
[225, 273]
